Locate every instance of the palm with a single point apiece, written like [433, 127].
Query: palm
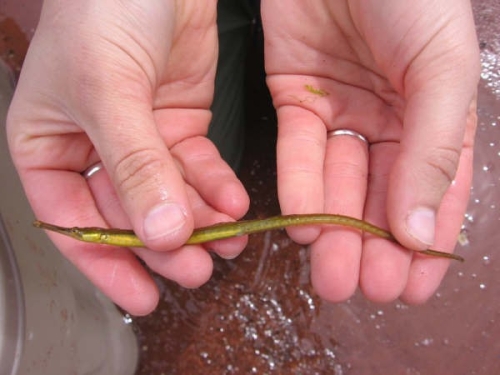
[355, 67]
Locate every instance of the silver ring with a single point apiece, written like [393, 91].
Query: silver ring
[92, 170]
[352, 133]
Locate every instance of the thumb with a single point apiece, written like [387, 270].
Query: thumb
[146, 178]
[437, 125]
[439, 87]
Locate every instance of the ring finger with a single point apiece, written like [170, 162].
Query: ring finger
[335, 255]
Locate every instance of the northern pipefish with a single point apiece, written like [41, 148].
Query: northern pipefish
[127, 238]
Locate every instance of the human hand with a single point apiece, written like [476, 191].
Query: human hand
[130, 84]
[404, 75]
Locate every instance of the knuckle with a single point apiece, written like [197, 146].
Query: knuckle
[444, 163]
[138, 169]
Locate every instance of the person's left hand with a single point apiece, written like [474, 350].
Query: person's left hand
[404, 75]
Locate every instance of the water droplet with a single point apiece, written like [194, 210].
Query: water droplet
[427, 341]
[337, 369]
[486, 260]
[127, 319]
[401, 306]
[469, 217]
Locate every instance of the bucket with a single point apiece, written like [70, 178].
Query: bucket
[53, 321]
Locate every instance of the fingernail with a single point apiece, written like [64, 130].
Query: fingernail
[421, 225]
[164, 220]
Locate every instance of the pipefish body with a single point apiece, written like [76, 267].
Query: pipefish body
[220, 231]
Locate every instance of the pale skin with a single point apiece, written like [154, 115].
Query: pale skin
[389, 77]
[131, 85]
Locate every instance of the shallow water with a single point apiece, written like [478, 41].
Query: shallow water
[259, 315]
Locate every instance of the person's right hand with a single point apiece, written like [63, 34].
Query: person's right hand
[404, 75]
[130, 84]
